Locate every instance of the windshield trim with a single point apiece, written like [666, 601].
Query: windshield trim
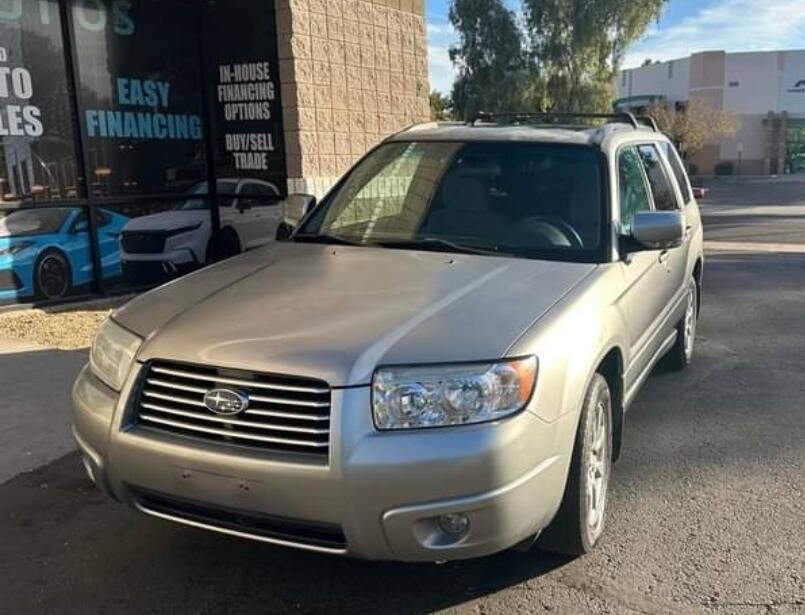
[600, 254]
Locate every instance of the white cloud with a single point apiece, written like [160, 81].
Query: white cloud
[731, 25]
[440, 36]
[440, 68]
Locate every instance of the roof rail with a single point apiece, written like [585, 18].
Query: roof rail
[520, 117]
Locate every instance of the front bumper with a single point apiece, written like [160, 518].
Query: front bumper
[16, 279]
[382, 491]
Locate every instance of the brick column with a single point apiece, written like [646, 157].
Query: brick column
[352, 72]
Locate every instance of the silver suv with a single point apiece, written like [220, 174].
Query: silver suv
[434, 365]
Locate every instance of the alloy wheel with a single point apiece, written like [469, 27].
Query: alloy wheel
[690, 324]
[53, 277]
[598, 470]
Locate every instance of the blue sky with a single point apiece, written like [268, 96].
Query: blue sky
[686, 26]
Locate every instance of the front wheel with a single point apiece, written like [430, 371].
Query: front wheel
[53, 277]
[579, 524]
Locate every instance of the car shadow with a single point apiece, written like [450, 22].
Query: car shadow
[101, 553]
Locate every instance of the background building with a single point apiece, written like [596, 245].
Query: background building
[141, 139]
[765, 90]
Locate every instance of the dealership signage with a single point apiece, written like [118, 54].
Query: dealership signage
[146, 103]
[245, 92]
[20, 118]
[89, 14]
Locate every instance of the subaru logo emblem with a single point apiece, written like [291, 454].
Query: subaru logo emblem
[226, 402]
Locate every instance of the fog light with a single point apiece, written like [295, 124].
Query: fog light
[455, 524]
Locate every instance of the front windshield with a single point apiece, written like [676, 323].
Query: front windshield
[28, 222]
[525, 199]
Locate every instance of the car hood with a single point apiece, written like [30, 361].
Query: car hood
[335, 313]
[167, 220]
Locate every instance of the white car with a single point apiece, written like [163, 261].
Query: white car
[180, 240]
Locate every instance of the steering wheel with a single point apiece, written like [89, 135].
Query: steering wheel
[555, 230]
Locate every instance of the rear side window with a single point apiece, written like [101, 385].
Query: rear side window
[632, 185]
[679, 172]
[661, 188]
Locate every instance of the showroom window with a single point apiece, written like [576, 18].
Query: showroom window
[139, 82]
[151, 130]
[37, 152]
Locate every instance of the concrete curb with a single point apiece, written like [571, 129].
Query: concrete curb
[14, 346]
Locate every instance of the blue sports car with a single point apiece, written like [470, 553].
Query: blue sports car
[45, 252]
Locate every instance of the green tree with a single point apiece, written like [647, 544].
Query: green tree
[576, 47]
[489, 58]
[440, 106]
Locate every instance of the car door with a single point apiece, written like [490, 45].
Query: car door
[647, 290]
[665, 197]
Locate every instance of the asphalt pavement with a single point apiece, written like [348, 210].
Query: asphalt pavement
[707, 509]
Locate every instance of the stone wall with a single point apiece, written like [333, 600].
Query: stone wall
[351, 72]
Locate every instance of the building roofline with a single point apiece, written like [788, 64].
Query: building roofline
[726, 53]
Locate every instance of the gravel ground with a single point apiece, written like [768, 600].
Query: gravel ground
[66, 327]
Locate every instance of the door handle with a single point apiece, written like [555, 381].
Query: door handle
[663, 257]
[688, 229]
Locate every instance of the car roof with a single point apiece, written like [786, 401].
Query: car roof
[536, 133]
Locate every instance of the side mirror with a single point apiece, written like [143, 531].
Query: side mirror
[657, 230]
[244, 204]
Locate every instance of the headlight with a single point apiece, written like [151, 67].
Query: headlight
[441, 395]
[112, 353]
[179, 231]
[16, 248]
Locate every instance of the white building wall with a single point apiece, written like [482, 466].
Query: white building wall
[792, 98]
[752, 83]
[658, 78]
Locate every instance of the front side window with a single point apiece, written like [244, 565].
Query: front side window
[535, 200]
[661, 189]
[632, 187]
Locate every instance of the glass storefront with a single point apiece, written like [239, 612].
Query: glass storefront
[140, 140]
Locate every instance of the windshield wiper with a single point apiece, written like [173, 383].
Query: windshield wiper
[325, 238]
[429, 243]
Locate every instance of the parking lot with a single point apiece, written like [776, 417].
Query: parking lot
[708, 503]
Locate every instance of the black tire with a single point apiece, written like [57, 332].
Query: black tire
[681, 353]
[578, 527]
[227, 245]
[53, 277]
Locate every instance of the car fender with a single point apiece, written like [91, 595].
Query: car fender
[570, 342]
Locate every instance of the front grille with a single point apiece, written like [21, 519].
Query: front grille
[285, 413]
[142, 242]
[291, 532]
